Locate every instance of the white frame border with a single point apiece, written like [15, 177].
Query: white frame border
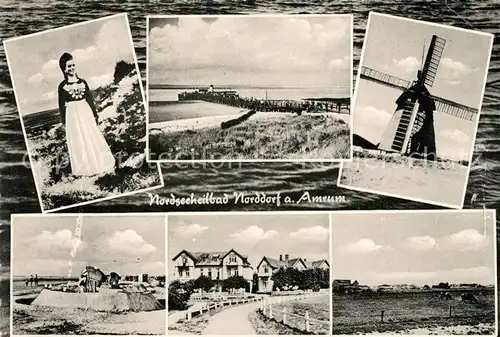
[191, 161]
[83, 215]
[360, 189]
[38, 188]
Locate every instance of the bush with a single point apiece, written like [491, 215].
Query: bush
[234, 282]
[122, 69]
[204, 283]
[178, 295]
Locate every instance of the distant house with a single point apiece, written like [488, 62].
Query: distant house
[269, 265]
[344, 285]
[215, 265]
[321, 264]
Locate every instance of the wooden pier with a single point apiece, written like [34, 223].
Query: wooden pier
[231, 98]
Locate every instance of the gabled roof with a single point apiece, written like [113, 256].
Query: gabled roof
[317, 264]
[211, 258]
[275, 264]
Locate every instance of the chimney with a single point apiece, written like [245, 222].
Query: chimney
[281, 257]
[286, 257]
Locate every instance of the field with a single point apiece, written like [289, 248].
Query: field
[318, 308]
[263, 136]
[407, 312]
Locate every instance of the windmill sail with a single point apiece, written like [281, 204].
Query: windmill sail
[443, 105]
[432, 60]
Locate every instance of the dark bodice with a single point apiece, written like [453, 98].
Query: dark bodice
[74, 91]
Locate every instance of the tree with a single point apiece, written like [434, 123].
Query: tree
[178, 296]
[255, 281]
[122, 69]
[204, 283]
[234, 282]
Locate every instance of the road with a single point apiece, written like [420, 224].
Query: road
[232, 321]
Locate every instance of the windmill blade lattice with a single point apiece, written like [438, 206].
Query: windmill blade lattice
[432, 60]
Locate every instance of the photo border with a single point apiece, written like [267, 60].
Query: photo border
[272, 15]
[39, 188]
[473, 143]
[83, 215]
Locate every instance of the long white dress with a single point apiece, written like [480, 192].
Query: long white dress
[88, 150]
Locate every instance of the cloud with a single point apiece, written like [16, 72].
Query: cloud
[311, 234]
[468, 239]
[253, 234]
[370, 122]
[455, 135]
[190, 230]
[194, 45]
[339, 63]
[100, 80]
[455, 67]
[364, 246]
[408, 65]
[482, 275]
[130, 243]
[421, 242]
[35, 79]
[52, 241]
[110, 46]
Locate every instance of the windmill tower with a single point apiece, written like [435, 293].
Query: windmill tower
[411, 128]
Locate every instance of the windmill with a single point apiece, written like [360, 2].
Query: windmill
[411, 129]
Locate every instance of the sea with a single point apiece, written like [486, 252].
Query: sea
[17, 189]
[164, 105]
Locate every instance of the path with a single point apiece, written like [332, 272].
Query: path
[232, 321]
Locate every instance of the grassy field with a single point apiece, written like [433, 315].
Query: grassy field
[318, 308]
[285, 136]
[403, 312]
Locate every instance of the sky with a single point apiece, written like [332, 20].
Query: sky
[95, 45]
[128, 245]
[414, 247]
[254, 235]
[395, 46]
[290, 51]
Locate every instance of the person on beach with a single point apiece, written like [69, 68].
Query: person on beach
[88, 151]
[31, 281]
[36, 280]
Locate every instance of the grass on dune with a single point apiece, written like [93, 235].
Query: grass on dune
[292, 137]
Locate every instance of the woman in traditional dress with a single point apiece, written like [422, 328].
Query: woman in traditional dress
[88, 151]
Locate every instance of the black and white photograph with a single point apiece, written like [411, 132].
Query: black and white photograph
[249, 87]
[249, 274]
[414, 273]
[80, 99]
[416, 110]
[88, 274]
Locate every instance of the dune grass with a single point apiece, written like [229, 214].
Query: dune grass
[287, 137]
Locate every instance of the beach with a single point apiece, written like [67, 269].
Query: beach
[30, 319]
[438, 182]
[260, 136]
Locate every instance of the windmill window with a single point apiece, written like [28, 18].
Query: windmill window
[201, 271]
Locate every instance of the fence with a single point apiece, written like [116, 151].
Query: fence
[284, 317]
[192, 313]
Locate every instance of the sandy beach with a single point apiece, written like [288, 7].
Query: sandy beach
[262, 135]
[29, 319]
[215, 121]
[405, 177]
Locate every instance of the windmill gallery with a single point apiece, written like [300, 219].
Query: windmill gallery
[416, 110]
[411, 129]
